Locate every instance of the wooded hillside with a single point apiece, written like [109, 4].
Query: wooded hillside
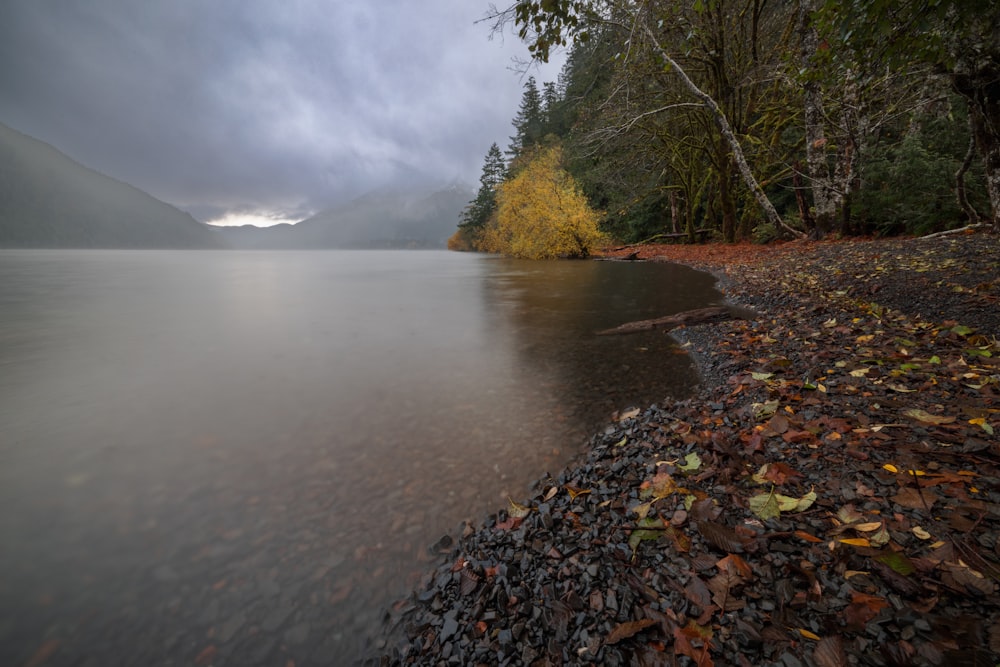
[752, 119]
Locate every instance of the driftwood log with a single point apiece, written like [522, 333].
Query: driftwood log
[687, 318]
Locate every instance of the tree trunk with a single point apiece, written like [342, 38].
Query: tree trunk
[960, 193]
[727, 132]
[824, 195]
[675, 216]
[984, 115]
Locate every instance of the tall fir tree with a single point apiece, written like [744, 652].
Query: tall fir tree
[529, 123]
[479, 210]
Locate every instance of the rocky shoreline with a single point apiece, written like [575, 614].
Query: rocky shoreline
[831, 496]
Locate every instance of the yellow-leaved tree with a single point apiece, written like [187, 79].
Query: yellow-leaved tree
[541, 213]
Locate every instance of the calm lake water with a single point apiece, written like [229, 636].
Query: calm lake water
[242, 458]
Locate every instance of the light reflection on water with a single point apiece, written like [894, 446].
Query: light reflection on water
[252, 451]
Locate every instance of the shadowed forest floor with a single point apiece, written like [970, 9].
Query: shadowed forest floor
[831, 497]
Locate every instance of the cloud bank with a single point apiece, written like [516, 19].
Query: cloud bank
[257, 106]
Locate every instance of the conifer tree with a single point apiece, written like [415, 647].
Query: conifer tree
[479, 210]
[529, 123]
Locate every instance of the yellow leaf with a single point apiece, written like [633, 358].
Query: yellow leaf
[808, 635]
[891, 468]
[517, 511]
[921, 533]
[856, 541]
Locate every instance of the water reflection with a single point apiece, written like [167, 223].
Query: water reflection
[247, 454]
[552, 311]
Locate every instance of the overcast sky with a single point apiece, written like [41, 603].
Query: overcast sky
[280, 107]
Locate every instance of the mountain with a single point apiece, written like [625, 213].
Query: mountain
[386, 218]
[47, 200]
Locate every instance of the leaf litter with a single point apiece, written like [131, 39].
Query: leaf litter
[832, 497]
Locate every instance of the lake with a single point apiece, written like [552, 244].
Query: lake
[243, 457]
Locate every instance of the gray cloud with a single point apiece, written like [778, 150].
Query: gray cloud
[250, 104]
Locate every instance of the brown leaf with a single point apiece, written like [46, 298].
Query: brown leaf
[683, 645]
[723, 587]
[913, 499]
[511, 523]
[720, 536]
[704, 510]
[779, 473]
[963, 578]
[628, 629]
[736, 565]
[830, 652]
[698, 593]
[469, 581]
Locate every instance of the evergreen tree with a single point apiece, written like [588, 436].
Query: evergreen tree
[552, 109]
[529, 123]
[479, 210]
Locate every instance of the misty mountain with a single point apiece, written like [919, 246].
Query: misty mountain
[386, 218]
[47, 200]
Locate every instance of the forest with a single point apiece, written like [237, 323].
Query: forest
[744, 120]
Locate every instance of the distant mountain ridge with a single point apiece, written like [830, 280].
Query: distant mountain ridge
[48, 200]
[385, 218]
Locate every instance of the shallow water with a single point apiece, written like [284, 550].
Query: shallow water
[242, 457]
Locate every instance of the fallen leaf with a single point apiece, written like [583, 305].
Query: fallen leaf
[863, 608]
[628, 414]
[867, 527]
[926, 417]
[516, 510]
[899, 563]
[765, 506]
[720, 536]
[628, 629]
[983, 424]
[808, 635]
[647, 531]
[921, 533]
[830, 652]
[691, 463]
[683, 645]
[848, 514]
[856, 541]
[914, 499]
[661, 486]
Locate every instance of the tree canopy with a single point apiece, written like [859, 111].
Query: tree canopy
[541, 213]
[753, 119]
